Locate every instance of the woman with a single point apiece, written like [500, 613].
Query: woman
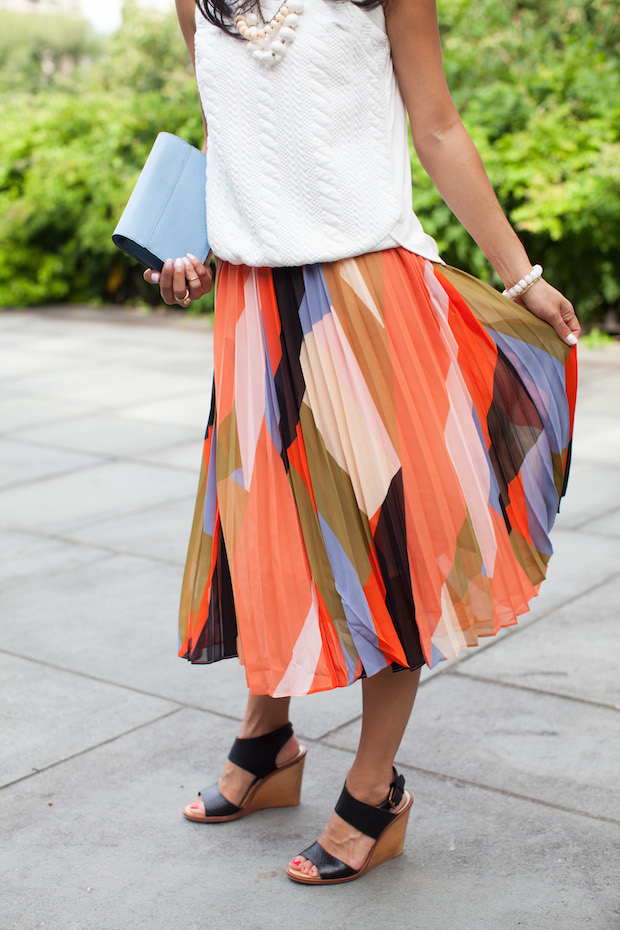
[392, 436]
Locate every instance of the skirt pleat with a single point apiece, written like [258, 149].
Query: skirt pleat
[388, 443]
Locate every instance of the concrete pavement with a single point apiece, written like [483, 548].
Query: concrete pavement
[512, 752]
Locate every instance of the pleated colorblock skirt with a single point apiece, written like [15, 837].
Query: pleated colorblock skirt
[388, 443]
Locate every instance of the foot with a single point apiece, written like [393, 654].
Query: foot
[343, 841]
[236, 782]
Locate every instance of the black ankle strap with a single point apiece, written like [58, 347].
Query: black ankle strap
[368, 819]
[257, 754]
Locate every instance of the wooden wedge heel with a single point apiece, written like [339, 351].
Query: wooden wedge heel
[387, 825]
[274, 785]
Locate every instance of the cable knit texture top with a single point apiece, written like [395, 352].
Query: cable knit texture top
[307, 161]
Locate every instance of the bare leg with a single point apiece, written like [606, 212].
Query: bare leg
[262, 715]
[387, 703]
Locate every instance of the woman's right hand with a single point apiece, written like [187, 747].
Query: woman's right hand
[181, 281]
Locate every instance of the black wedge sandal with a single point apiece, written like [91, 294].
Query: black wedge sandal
[381, 823]
[274, 785]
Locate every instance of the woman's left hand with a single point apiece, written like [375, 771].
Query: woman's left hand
[545, 302]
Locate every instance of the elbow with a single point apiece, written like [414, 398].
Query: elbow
[431, 133]
[430, 141]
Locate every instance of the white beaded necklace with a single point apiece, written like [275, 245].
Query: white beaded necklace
[269, 41]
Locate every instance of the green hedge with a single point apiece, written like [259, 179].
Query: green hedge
[537, 85]
[69, 170]
[70, 158]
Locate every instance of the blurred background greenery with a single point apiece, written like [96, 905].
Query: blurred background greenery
[538, 86]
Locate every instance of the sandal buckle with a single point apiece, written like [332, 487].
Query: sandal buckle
[397, 791]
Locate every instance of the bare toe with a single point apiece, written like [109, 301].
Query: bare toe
[196, 808]
[303, 866]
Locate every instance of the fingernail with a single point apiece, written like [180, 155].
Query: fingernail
[571, 339]
[168, 264]
[155, 277]
[179, 263]
[193, 257]
[187, 263]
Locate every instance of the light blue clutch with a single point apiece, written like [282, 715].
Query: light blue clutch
[165, 216]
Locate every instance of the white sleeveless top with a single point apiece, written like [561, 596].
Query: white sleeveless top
[307, 161]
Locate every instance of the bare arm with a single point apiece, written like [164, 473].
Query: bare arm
[451, 159]
[186, 11]
[185, 278]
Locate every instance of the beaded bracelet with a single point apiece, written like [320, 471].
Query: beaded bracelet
[525, 283]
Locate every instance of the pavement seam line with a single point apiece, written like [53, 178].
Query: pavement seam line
[103, 458]
[340, 726]
[54, 421]
[181, 705]
[71, 450]
[465, 782]
[112, 551]
[136, 512]
[583, 527]
[106, 456]
[58, 570]
[84, 544]
[101, 462]
[132, 513]
[579, 527]
[511, 684]
[145, 460]
[83, 752]
[102, 681]
[63, 473]
[107, 553]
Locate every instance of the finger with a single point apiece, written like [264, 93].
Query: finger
[550, 305]
[203, 270]
[566, 335]
[194, 282]
[151, 276]
[566, 323]
[570, 318]
[195, 262]
[563, 330]
[198, 277]
[179, 281]
[165, 283]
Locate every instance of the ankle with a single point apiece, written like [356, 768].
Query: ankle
[257, 726]
[370, 787]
